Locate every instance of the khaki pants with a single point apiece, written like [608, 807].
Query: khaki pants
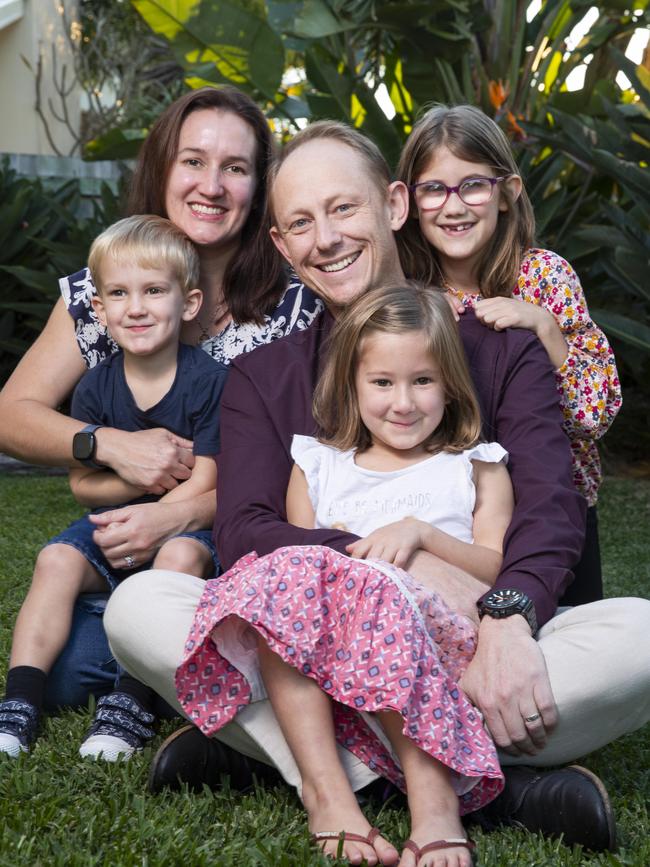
[597, 656]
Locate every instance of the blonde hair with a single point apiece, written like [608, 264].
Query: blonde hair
[149, 242]
[474, 137]
[398, 309]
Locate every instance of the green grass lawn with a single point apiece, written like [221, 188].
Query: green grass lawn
[56, 809]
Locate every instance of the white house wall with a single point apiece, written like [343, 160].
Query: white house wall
[26, 28]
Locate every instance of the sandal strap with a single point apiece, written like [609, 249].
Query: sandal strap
[437, 844]
[373, 833]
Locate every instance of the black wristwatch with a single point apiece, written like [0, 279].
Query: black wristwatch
[505, 603]
[84, 445]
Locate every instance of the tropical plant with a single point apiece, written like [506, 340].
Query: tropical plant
[126, 72]
[581, 151]
[41, 238]
[592, 197]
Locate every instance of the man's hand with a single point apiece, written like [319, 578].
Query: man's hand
[507, 680]
[395, 543]
[135, 531]
[154, 460]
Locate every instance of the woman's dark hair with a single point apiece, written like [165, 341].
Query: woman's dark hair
[254, 279]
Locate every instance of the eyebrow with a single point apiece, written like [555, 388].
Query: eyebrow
[306, 210]
[420, 372]
[466, 178]
[202, 151]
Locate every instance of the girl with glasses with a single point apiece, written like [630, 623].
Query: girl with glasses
[470, 229]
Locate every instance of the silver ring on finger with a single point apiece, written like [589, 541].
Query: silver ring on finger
[532, 718]
[129, 560]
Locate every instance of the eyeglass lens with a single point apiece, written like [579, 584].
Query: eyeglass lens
[474, 191]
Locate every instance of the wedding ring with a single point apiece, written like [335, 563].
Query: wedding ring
[130, 563]
[532, 718]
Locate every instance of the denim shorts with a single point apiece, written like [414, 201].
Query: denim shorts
[80, 536]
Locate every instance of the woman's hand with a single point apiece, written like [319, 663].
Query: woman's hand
[396, 543]
[135, 531]
[154, 460]
[139, 530]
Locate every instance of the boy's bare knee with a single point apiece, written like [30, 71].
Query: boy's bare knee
[62, 566]
[58, 557]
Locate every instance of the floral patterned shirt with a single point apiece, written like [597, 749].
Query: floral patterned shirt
[588, 385]
[295, 310]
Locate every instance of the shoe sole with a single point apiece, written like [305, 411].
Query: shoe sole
[13, 751]
[156, 759]
[111, 750]
[604, 794]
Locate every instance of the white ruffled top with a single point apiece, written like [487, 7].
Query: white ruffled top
[439, 490]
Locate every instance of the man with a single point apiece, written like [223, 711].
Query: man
[545, 700]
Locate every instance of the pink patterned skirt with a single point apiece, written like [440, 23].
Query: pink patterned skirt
[368, 634]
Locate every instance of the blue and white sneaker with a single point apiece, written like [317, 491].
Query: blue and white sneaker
[18, 726]
[121, 727]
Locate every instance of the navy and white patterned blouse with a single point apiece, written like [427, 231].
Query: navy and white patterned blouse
[296, 310]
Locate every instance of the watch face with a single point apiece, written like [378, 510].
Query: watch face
[504, 598]
[83, 445]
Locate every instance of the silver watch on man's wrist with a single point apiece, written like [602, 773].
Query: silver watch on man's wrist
[505, 603]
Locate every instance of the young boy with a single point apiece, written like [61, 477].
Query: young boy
[146, 272]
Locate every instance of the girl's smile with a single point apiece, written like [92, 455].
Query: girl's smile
[458, 231]
[401, 395]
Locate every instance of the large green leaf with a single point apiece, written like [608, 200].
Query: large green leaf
[634, 178]
[354, 101]
[117, 144]
[316, 20]
[34, 308]
[166, 17]
[623, 276]
[221, 42]
[629, 330]
[43, 281]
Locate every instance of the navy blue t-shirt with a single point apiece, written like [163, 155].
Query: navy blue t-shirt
[190, 408]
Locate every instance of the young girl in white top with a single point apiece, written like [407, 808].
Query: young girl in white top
[471, 230]
[399, 463]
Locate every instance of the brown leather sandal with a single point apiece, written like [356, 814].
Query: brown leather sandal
[419, 851]
[345, 836]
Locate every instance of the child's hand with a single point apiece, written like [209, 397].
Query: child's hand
[500, 313]
[396, 543]
[457, 306]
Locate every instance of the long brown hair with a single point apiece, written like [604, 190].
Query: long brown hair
[399, 309]
[254, 279]
[474, 137]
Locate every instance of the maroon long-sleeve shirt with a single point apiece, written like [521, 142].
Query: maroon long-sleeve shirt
[268, 398]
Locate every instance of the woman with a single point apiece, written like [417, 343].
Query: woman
[204, 167]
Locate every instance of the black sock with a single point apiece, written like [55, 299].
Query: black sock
[27, 683]
[144, 695]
